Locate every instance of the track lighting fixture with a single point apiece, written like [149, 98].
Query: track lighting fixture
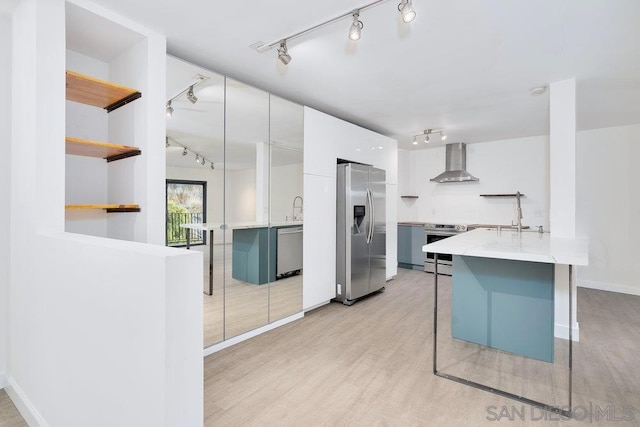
[191, 96]
[166, 140]
[283, 53]
[406, 11]
[356, 27]
[355, 31]
[426, 135]
[202, 160]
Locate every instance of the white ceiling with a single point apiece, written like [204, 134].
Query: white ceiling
[463, 65]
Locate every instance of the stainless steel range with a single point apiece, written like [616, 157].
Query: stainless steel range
[433, 233]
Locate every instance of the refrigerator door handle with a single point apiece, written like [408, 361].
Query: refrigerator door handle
[371, 215]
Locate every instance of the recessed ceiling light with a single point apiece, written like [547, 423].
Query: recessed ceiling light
[536, 91]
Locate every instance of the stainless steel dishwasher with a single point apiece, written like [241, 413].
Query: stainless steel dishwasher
[289, 250]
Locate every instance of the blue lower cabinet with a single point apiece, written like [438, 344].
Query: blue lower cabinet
[417, 242]
[504, 304]
[250, 255]
[404, 246]
[410, 242]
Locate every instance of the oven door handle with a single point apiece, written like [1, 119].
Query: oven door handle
[441, 233]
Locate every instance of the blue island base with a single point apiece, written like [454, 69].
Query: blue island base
[504, 304]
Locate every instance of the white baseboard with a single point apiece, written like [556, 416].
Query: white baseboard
[235, 340]
[562, 331]
[2, 380]
[610, 287]
[313, 307]
[24, 405]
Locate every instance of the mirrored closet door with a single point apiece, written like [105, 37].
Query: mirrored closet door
[234, 194]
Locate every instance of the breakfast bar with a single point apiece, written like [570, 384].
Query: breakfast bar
[503, 286]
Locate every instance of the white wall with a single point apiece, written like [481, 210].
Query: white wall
[608, 207]
[100, 330]
[502, 166]
[326, 139]
[240, 196]
[124, 349]
[140, 179]
[5, 189]
[287, 182]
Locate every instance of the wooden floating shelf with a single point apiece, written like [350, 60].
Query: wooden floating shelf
[102, 150]
[108, 208]
[408, 197]
[99, 93]
[501, 195]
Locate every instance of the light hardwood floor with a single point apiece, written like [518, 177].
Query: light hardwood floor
[9, 415]
[371, 364]
[241, 306]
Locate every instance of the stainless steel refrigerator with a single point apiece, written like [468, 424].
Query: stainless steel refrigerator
[360, 231]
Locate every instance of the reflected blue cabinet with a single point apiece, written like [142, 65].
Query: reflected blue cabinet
[250, 251]
[410, 242]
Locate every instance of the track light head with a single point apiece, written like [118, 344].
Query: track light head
[169, 109]
[166, 141]
[202, 160]
[184, 152]
[415, 140]
[443, 136]
[356, 27]
[197, 158]
[426, 139]
[407, 12]
[212, 167]
[283, 53]
[191, 96]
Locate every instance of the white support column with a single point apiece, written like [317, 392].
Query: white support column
[562, 212]
[262, 182]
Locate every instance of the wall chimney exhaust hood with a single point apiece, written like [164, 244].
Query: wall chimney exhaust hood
[456, 165]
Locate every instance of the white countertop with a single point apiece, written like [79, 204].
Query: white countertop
[239, 225]
[525, 246]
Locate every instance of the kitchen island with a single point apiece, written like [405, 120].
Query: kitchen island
[503, 295]
[252, 262]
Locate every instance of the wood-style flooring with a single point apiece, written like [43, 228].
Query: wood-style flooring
[9, 415]
[371, 364]
[241, 307]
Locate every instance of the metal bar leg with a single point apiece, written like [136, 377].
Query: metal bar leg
[435, 314]
[570, 333]
[188, 238]
[210, 262]
[547, 407]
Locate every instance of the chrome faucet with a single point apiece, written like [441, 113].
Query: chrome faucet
[293, 212]
[519, 211]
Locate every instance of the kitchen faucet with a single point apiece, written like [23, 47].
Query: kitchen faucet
[293, 212]
[519, 212]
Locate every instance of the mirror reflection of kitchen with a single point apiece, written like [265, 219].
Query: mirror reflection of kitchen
[234, 192]
[287, 206]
